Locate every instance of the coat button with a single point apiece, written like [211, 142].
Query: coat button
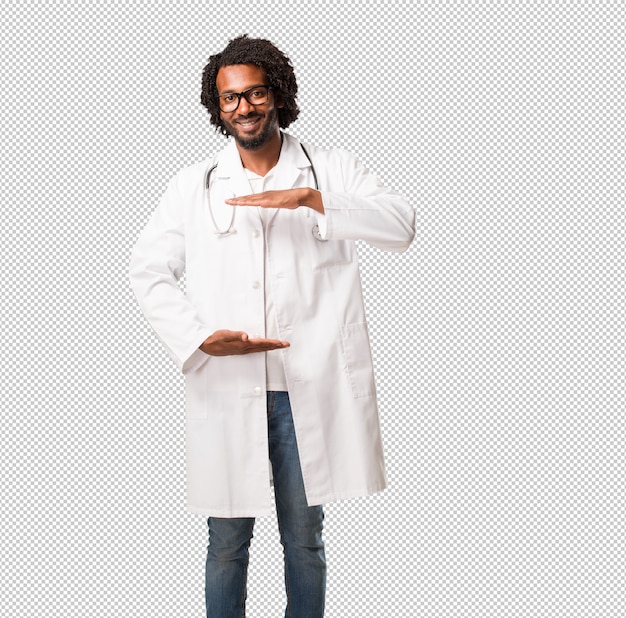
[255, 233]
[257, 390]
[256, 285]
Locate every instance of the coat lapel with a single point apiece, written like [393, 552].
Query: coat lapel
[229, 168]
[291, 163]
[289, 169]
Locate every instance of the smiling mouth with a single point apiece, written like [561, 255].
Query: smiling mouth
[248, 123]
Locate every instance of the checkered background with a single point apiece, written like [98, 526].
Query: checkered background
[498, 337]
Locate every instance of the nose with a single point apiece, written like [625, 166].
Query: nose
[244, 107]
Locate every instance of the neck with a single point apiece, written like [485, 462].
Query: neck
[263, 159]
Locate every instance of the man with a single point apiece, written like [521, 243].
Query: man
[271, 332]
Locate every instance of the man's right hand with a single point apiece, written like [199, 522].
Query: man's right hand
[229, 342]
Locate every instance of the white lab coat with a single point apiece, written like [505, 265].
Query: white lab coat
[318, 301]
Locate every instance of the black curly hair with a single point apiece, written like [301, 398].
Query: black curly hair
[263, 53]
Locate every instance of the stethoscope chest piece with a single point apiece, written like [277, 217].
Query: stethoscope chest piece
[316, 234]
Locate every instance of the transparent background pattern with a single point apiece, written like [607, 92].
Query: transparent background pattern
[498, 337]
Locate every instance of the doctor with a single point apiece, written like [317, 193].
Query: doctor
[270, 331]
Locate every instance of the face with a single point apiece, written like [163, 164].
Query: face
[252, 126]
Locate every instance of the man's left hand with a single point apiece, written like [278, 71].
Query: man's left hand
[286, 198]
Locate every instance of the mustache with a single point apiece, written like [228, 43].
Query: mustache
[249, 116]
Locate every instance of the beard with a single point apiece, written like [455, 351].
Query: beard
[255, 142]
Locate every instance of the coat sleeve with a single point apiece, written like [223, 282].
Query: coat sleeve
[365, 209]
[156, 265]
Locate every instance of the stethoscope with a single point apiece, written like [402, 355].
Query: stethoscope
[230, 229]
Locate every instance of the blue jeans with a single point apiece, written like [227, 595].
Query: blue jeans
[300, 534]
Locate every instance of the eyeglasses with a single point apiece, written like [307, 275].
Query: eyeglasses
[257, 95]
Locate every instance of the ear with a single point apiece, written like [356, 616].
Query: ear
[278, 101]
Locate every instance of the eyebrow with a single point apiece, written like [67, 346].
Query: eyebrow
[246, 90]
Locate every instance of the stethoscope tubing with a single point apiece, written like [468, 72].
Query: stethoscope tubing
[229, 229]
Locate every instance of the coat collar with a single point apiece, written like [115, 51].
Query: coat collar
[291, 162]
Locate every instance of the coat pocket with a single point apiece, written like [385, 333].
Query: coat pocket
[328, 253]
[356, 347]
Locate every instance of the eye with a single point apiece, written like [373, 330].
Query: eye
[257, 94]
[228, 98]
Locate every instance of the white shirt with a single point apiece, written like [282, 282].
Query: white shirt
[275, 371]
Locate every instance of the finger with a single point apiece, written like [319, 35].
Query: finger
[228, 336]
[266, 199]
[268, 344]
[261, 340]
[263, 348]
[244, 200]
